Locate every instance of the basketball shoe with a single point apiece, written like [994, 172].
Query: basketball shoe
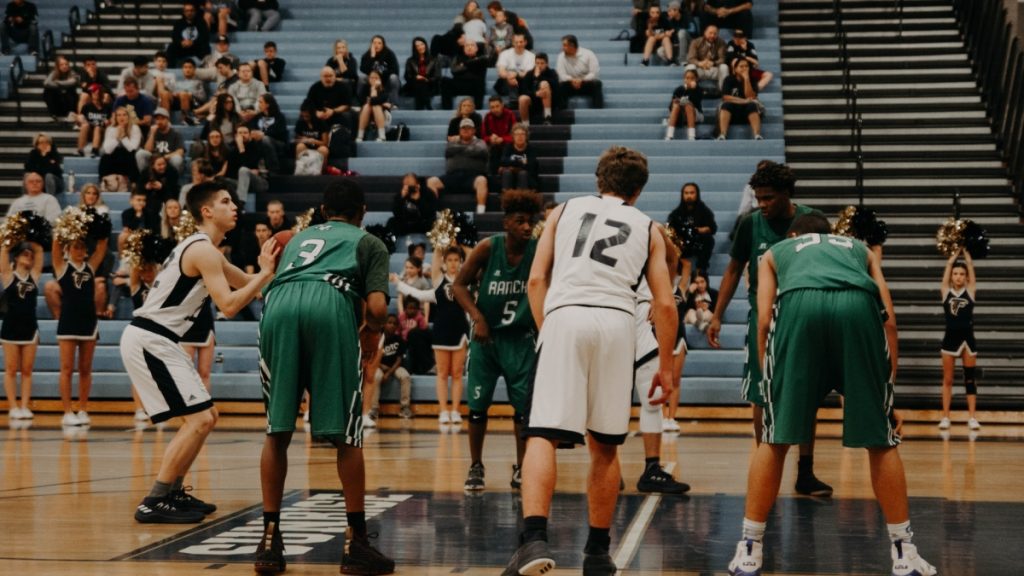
[475, 479]
[748, 559]
[270, 551]
[363, 559]
[531, 559]
[164, 510]
[906, 562]
[656, 479]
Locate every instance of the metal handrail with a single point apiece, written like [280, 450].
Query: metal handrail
[74, 23]
[46, 51]
[899, 12]
[17, 76]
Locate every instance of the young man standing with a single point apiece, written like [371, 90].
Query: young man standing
[582, 295]
[163, 375]
[504, 334]
[312, 338]
[826, 323]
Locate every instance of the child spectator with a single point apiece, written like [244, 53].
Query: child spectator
[686, 104]
[700, 302]
[270, 68]
[60, 91]
[137, 217]
[391, 358]
[92, 123]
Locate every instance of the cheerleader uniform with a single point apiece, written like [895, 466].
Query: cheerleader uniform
[959, 310]
[78, 307]
[200, 334]
[450, 329]
[680, 346]
[20, 325]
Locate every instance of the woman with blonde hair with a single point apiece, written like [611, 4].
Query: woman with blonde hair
[120, 142]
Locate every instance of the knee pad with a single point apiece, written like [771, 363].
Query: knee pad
[969, 383]
[519, 418]
[477, 417]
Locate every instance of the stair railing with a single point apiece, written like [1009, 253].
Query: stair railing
[17, 76]
[46, 51]
[74, 24]
[899, 18]
[859, 158]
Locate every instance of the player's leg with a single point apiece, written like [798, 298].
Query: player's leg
[654, 478]
[28, 361]
[456, 368]
[86, 351]
[483, 375]
[443, 360]
[970, 362]
[204, 361]
[763, 481]
[889, 482]
[948, 366]
[517, 360]
[67, 363]
[602, 495]
[539, 475]
[12, 364]
[360, 557]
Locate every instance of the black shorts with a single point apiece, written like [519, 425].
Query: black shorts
[459, 182]
[739, 112]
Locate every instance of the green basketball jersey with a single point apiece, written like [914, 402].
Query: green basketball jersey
[764, 235]
[823, 262]
[502, 294]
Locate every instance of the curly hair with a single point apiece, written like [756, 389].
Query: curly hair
[521, 200]
[621, 171]
[778, 177]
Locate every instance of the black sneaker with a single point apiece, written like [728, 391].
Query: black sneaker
[809, 485]
[531, 559]
[475, 479]
[270, 552]
[182, 499]
[517, 477]
[656, 479]
[164, 510]
[547, 121]
[362, 558]
[598, 565]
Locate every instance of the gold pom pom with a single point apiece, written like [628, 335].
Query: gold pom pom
[950, 237]
[13, 230]
[72, 225]
[844, 225]
[673, 237]
[302, 222]
[444, 232]
[186, 226]
[132, 252]
[538, 228]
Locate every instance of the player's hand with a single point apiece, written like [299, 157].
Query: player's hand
[481, 332]
[268, 256]
[898, 418]
[714, 328]
[661, 387]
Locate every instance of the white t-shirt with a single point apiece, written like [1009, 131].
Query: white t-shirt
[509, 61]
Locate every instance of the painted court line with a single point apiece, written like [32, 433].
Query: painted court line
[631, 541]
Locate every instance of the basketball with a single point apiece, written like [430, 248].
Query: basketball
[282, 238]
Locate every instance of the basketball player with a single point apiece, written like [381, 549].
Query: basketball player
[826, 321]
[504, 334]
[591, 255]
[311, 339]
[958, 289]
[163, 375]
[774, 185]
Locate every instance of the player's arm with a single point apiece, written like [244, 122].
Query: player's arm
[470, 274]
[726, 290]
[891, 333]
[204, 259]
[57, 257]
[133, 279]
[236, 276]
[540, 271]
[947, 274]
[663, 308]
[6, 270]
[37, 266]
[767, 285]
[373, 260]
[98, 254]
[970, 271]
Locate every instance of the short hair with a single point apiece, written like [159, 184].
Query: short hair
[521, 201]
[160, 54]
[140, 61]
[88, 59]
[139, 192]
[541, 56]
[261, 220]
[571, 40]
[621, 171]
[270, 44]
[495, 98]
[410, 301]
[223, 60]
[520, 126]
[246, 64]
[809, 224]
[495, 5]
[343, 197]
[203, 166]
[778, 177]
[131, 82]
[202, 195]
[454, 250]
[188, 61]
[390, 316]
[415, 261]
[275, 202]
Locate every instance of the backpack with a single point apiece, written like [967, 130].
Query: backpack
[340, 143]
[398, 132]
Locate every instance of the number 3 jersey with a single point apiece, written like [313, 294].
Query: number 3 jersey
[601, 248]
[502, 295]
[175, 299]
[822, 262]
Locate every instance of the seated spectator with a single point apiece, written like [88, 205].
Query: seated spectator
[707, 53]
[684, 28]
[224, 118]
[390, 368]
[413, 212]
[382, 59]
[190, 37]
[310, 135]
[500, 36]
[512, 66]
[729, 14]
[137, 217]
[467, 109]
[475, 30]
[215, 151]
[331, 100]
[739, 100]
[160, 181]
[741, 47]
[538, 91]
[700, 301]
[519, 166]
[465, 167]
[140, 72]
[120, 142]
[270, 68]
[201, 172]
[344, 64]
[416, 334]
[578, 73]
[90, 198]
[163, 140]
[422, 75]
[190, 93]
[276, 217]
[270, 129]
[208, 69]
[469, 72]
[34, 199]
[246, 92]
[44, 159]
[90, 77]
[221, 15]
[657, 33]
[92, 123]
[693, 212]
[497, 131]
[373, 98]
[248, 166]
[21, 26]
[263, 15]
[170, 216]
[166, 83]
[519, 26]
[141, 105]
[225, 76]
[60, 91]
[686, 105]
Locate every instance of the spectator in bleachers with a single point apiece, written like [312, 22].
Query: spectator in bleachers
[382, 59]
[310, 134]
[248, 166]
[208, 69]
[225, 77]
[270, 68]
[475, 30]
[422, 74]
[467, 109]
[578, 73]
[60, 91]
[656, 32]
[538, 91]
[120, 142]
[707, 53]
[467, 12]
[700, 301]
[202, 171]
[140, 72]
[190, 37]
[264, 15]
[21, 267]
[686, 105]
[331, 100]
[512, 66]
[89, 77]
[90, 198]
[170, 216]
[469, 72]
[390, 367]
[270, 128]
[166, 83]
[140, 104]
[375, 107]
[190, 93]
[741, 47]
[739, 100]
[224, 118]
[137, 216]
[21, 26]
[344, 64]
[215, 151]
[162, 140]
[34, 199]
[415, 332]
[413, 212]
[221, 15]
[277, 218]
[46, 160]
[518, 165]
[729, 14]
[693, 212]
[160, 181]
[519, 26]
[465, 167]
[684, 28]
[413, 275]
[246, 92]
[500, 36]
[497, 131]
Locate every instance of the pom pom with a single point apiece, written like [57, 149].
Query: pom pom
[304, 221]
[538, 229]
[466, 233]
[72, 225]
[384, 235]
[39, 231]
[442, 234]
[131, 254]
[975, 240]
[186, 226]
[99, 225]
[956, 234]
[156, 248]
[861, 223]
[25, 225]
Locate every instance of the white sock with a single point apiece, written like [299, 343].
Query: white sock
[670, 132]
[753, 530]
[547, 112]
[360, 134]
[481, 208]
[691, 133]
[525, 122]
[900, 531]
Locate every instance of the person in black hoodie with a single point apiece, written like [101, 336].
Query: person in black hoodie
[382, 59]
[413, 209]
[692, 211]
[422, 74]
[190, 38]
[469, 72]
[270, 129]
[44, 159]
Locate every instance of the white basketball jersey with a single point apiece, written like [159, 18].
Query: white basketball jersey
[175, 299]
[601, 248]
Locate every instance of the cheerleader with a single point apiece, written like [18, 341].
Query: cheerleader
[140, 281]
[20, 331]
[199, 342]
[958, 285]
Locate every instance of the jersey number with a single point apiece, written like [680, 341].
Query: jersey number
[509, 313]
[315, 246]
[597, 250]
[813, 239]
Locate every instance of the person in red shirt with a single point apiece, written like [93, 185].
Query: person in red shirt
[497, 131]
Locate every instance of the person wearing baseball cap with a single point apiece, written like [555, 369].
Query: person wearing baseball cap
[465, 167]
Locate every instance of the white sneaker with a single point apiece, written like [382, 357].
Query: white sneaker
[669, 425]
[70, 420]
[27, 414]
[368, 421]
[456, 418]
[381, 139]
[944, 424]
[443, 417]
[906, 562]
[72, 117]
[748, 559]
[973, 424]
[83, 417]
[140, 415]
[305, 416]
[14, 414]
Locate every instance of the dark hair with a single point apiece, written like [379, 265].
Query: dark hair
[383, 42]
[541, 56]
[218, 114]
[223, 60]
[416, 262]
[809, 224]
[344, 198]
[495, 98]
[410, 300]
[454, 250]
[273, 109]
[21, 247]
[778, 177]
[621, 171]
[204, 166]
[520, 201]
[683, 189]
[390, 316]
[495, 5]
[188, 61]
[957, 264]
[413, 46]
[88, 59]
[131, 81]
[270, 44]
[571, 40]
[202, 195]
[261, 219]
[139, 192]
[160, 54]
[412, 248]
[307, 106]
[140, 61]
